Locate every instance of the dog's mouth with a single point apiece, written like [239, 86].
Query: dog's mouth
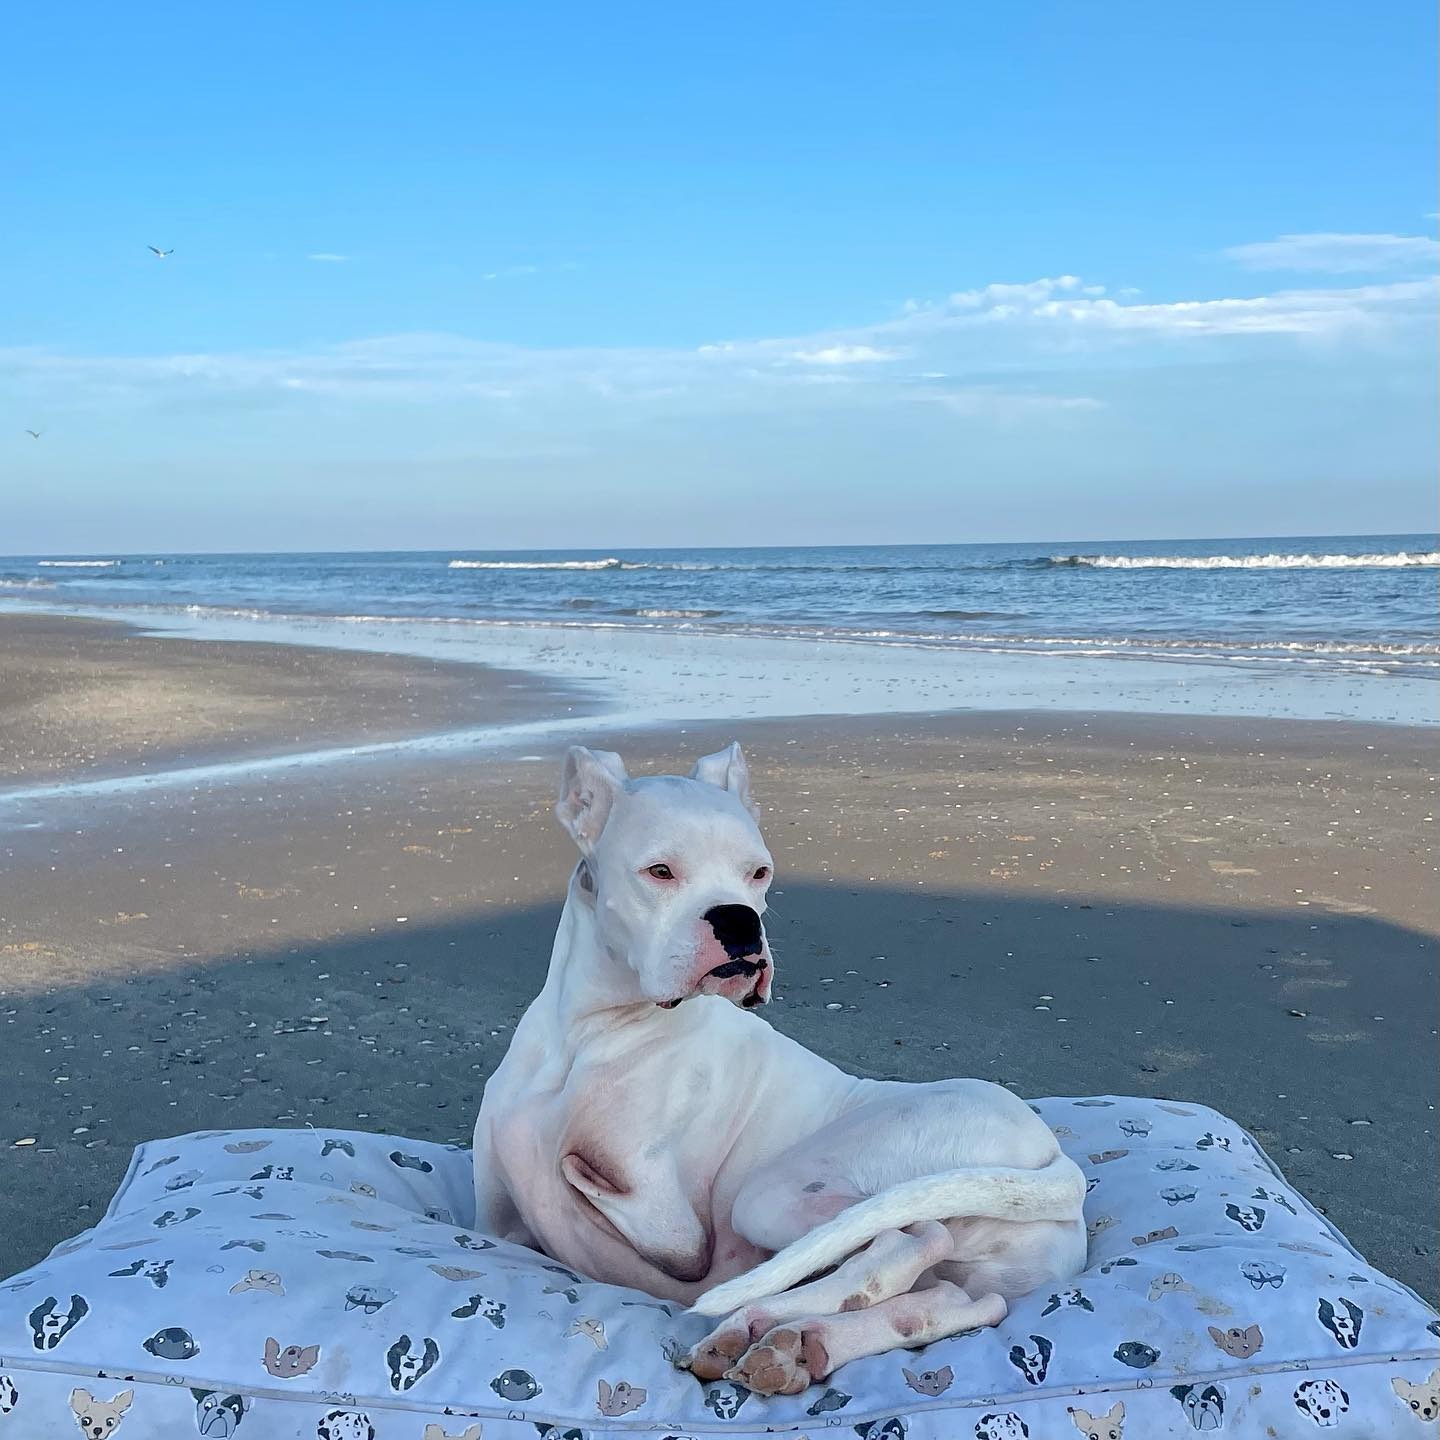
[741, 980]
[732, 968]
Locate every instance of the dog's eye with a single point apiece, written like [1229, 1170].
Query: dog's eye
[660, 872]
[762, 872]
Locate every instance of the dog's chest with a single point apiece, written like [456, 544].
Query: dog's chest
[624, 1114]
[657, 1124]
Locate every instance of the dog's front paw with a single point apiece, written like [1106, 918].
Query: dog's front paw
[716, 1353]
[784, 1362]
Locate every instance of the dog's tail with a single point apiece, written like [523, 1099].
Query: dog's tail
[1054, 1192]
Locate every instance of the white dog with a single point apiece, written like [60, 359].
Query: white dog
[648, 1129]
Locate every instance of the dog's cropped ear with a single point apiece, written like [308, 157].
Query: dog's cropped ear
[589, 784]
[727, 769]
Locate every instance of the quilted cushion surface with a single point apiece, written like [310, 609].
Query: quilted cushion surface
[323, 1285]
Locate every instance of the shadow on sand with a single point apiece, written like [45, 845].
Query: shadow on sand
[1047, 997]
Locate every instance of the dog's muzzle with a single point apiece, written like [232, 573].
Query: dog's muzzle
[741, 977]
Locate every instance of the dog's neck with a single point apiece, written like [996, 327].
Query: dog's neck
[585, 981]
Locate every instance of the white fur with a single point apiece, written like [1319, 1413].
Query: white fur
[646, 1130]
[1054, 1192]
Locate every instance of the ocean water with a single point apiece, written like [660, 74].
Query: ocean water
[1353, 604]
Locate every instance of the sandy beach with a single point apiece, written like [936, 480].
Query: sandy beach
[1234, 911]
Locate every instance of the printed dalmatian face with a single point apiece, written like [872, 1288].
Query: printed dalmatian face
[1323, 1401]
[1421, 1398]
[725, 1400]
[1008, 1426]
[345, 1425]
[9, 1395]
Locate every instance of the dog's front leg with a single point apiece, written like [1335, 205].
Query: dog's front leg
[889, 1266]
[495, 1211]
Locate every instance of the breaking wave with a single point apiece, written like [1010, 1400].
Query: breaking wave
[610, 563]
[79, 564]
[1389, 560]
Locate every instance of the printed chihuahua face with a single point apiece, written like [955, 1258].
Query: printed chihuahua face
[677, 873]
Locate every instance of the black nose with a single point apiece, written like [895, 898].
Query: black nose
[737, 928]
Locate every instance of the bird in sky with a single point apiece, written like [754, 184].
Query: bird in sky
[160, 254]
[34, 434]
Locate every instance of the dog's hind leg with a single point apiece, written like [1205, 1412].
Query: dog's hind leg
[889, 1266]
[791, 1356]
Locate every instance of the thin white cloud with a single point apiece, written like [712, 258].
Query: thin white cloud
[1338, 254]
[843, 355]
[988, 401]
[511, 272]
[1003, 351]
[327, 258]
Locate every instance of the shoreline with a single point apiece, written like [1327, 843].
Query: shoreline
[88, 705]
[673, 675]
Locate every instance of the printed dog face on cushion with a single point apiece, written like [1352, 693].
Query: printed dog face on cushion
[1034, 1364]
[929, 1382]
[96, 1418]
[678, 890]
[218, 1415]
[408, 1364]
[1109, 1426]
[1323, 1401]
[725, 1399]
[1242, 1344]
[1422, 1398]
[1008, 1426]
[1204, 1405]
[293, 1360]
[345, 1425]
[49, 1324]
[1343, 1320]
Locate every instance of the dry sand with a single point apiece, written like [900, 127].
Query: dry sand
[1235, 912]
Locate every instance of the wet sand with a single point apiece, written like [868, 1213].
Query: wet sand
[1237, 912]
[90, 697]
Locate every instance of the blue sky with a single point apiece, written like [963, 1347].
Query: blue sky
[639, 274]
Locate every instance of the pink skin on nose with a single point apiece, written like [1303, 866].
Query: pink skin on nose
[748, 988]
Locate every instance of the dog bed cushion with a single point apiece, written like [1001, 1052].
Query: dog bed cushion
[323, 1285]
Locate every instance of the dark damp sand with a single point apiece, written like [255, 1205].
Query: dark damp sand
[1238, 913]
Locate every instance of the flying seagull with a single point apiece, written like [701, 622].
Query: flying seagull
[160, 254]
[34, 434]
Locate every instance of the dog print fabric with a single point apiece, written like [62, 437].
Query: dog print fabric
[314, 1285]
